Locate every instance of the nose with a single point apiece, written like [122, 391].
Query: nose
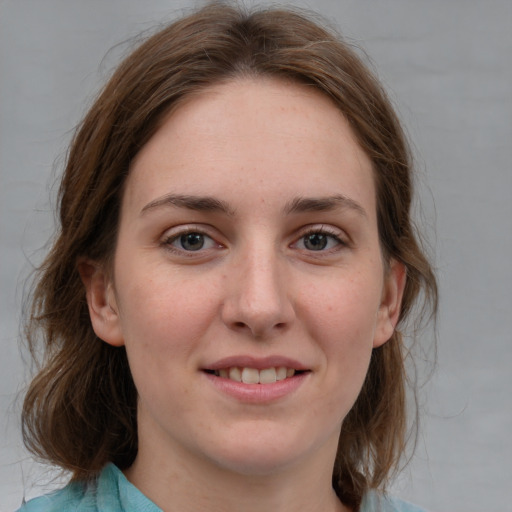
[257, 300]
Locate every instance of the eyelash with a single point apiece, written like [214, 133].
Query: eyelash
[331, 234]
[323, 231]
[168, 241]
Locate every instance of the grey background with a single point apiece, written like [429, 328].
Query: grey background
[448, 67]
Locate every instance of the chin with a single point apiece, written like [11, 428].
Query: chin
[256, 462]
[264, 451]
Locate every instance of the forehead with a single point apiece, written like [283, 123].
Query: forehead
[254, 132]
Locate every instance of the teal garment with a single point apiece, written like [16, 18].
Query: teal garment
[112, 492]
[377, 502]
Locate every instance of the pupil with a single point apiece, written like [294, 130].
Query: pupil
[192, 241]
[316, 242]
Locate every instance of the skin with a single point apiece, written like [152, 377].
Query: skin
[258, 287]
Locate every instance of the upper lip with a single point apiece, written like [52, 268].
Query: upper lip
[259, 363]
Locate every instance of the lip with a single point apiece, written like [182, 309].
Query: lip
[259, 363]
[257, 393]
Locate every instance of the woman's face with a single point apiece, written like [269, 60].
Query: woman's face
[248, 284]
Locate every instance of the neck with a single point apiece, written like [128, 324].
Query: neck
[186, 483]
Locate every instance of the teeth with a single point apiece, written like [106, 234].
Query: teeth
[254, 376]
[268, 376]
[235, 374]
[281, 373]
[250, 376]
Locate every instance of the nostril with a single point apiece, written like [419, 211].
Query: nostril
[243, 325]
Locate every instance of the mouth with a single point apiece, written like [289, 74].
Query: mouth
[248, 375]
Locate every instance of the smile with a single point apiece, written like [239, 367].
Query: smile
[256, 381]
[249, 375]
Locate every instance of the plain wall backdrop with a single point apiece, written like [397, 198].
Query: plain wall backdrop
[448, 67]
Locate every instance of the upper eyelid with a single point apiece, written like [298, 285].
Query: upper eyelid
[178, 234]
[323, 228]
[210, 231]
[344, 240]
[168, 239]
[170, 235]
[183, 229]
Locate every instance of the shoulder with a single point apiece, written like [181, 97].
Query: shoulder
[375, 501]
[110, 492]
[75, 497]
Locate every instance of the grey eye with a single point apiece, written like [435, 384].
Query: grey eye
[316, 241]
[190, 241]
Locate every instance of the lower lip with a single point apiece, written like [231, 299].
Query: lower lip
[257, 393]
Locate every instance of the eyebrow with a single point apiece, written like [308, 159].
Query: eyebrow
[197, 203]
[297, 205]
[324, 204]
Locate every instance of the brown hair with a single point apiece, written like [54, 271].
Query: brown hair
[80, 410]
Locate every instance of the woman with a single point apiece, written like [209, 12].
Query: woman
[220, 307]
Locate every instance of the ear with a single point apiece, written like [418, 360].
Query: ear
[391, 302]
[102, 304]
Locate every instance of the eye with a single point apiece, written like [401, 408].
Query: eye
[319, 240]
[190, 241]
[316, 241]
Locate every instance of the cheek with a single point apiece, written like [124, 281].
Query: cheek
[342, 319]
[163, 320]
[343, 312]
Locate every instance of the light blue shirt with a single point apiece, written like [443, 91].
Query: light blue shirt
[112, 492]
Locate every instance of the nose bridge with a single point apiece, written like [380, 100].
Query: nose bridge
[260, 280]
[259, 300]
